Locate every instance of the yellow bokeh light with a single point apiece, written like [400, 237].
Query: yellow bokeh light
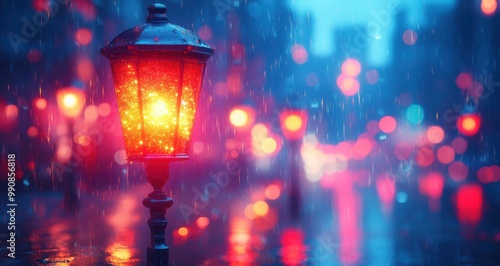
[293, 122]
[183, 231]
[238, 117]
[268, 145]
[70, 100]
[469, 124]
[260, 208]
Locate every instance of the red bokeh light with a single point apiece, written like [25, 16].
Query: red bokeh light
[83, 36]
[464, 81]
[431, 185]
[458, 171]
[469, 200]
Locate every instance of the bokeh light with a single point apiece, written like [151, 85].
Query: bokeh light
[469, 124]
[299, 54]
[40, 103]
[387, 124]
[410, 37]
[459, 145]
[372, 77]
[202, 222]
[415, 114]
[458, 171]
[435, 134]
[445, 154]
[260, 208]
[488, 7]
[464, 81]
[183, 231]
[348, 86]
[351, 67]
[238, 117]
[273, 192]
[83, 36]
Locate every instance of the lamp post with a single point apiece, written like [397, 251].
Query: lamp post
[158, 70]
[70, 102]
[293, 125]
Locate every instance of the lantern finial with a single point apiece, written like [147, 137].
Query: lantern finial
[157, 13]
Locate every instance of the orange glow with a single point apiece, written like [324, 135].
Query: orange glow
[249, 213]
[469, 203]
[260, 208]
[293, 123]
[83, 36]
[183, 231]
[469, 124]
[351, 67]
[273, 192]
[488, 7]
[40, 103]
[202, 222]
[387, 124]
[70, 101]
[167, 110]
[445, 154]
[435, 134]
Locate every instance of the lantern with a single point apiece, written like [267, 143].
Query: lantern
[158, 70]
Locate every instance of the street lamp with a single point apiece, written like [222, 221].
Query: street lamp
[293, 126]
[70, 102]
[158, 70]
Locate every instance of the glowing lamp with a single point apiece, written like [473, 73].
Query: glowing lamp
[469, 124]
[70, 101]
[158, 70]
[293, 123]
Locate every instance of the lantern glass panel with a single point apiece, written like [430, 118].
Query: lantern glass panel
[157, 100]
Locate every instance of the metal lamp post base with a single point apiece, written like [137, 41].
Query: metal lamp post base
[157, 202]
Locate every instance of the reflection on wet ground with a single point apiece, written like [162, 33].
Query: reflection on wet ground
[343, 225]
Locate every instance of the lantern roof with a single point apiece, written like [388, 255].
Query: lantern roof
[157, 35]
